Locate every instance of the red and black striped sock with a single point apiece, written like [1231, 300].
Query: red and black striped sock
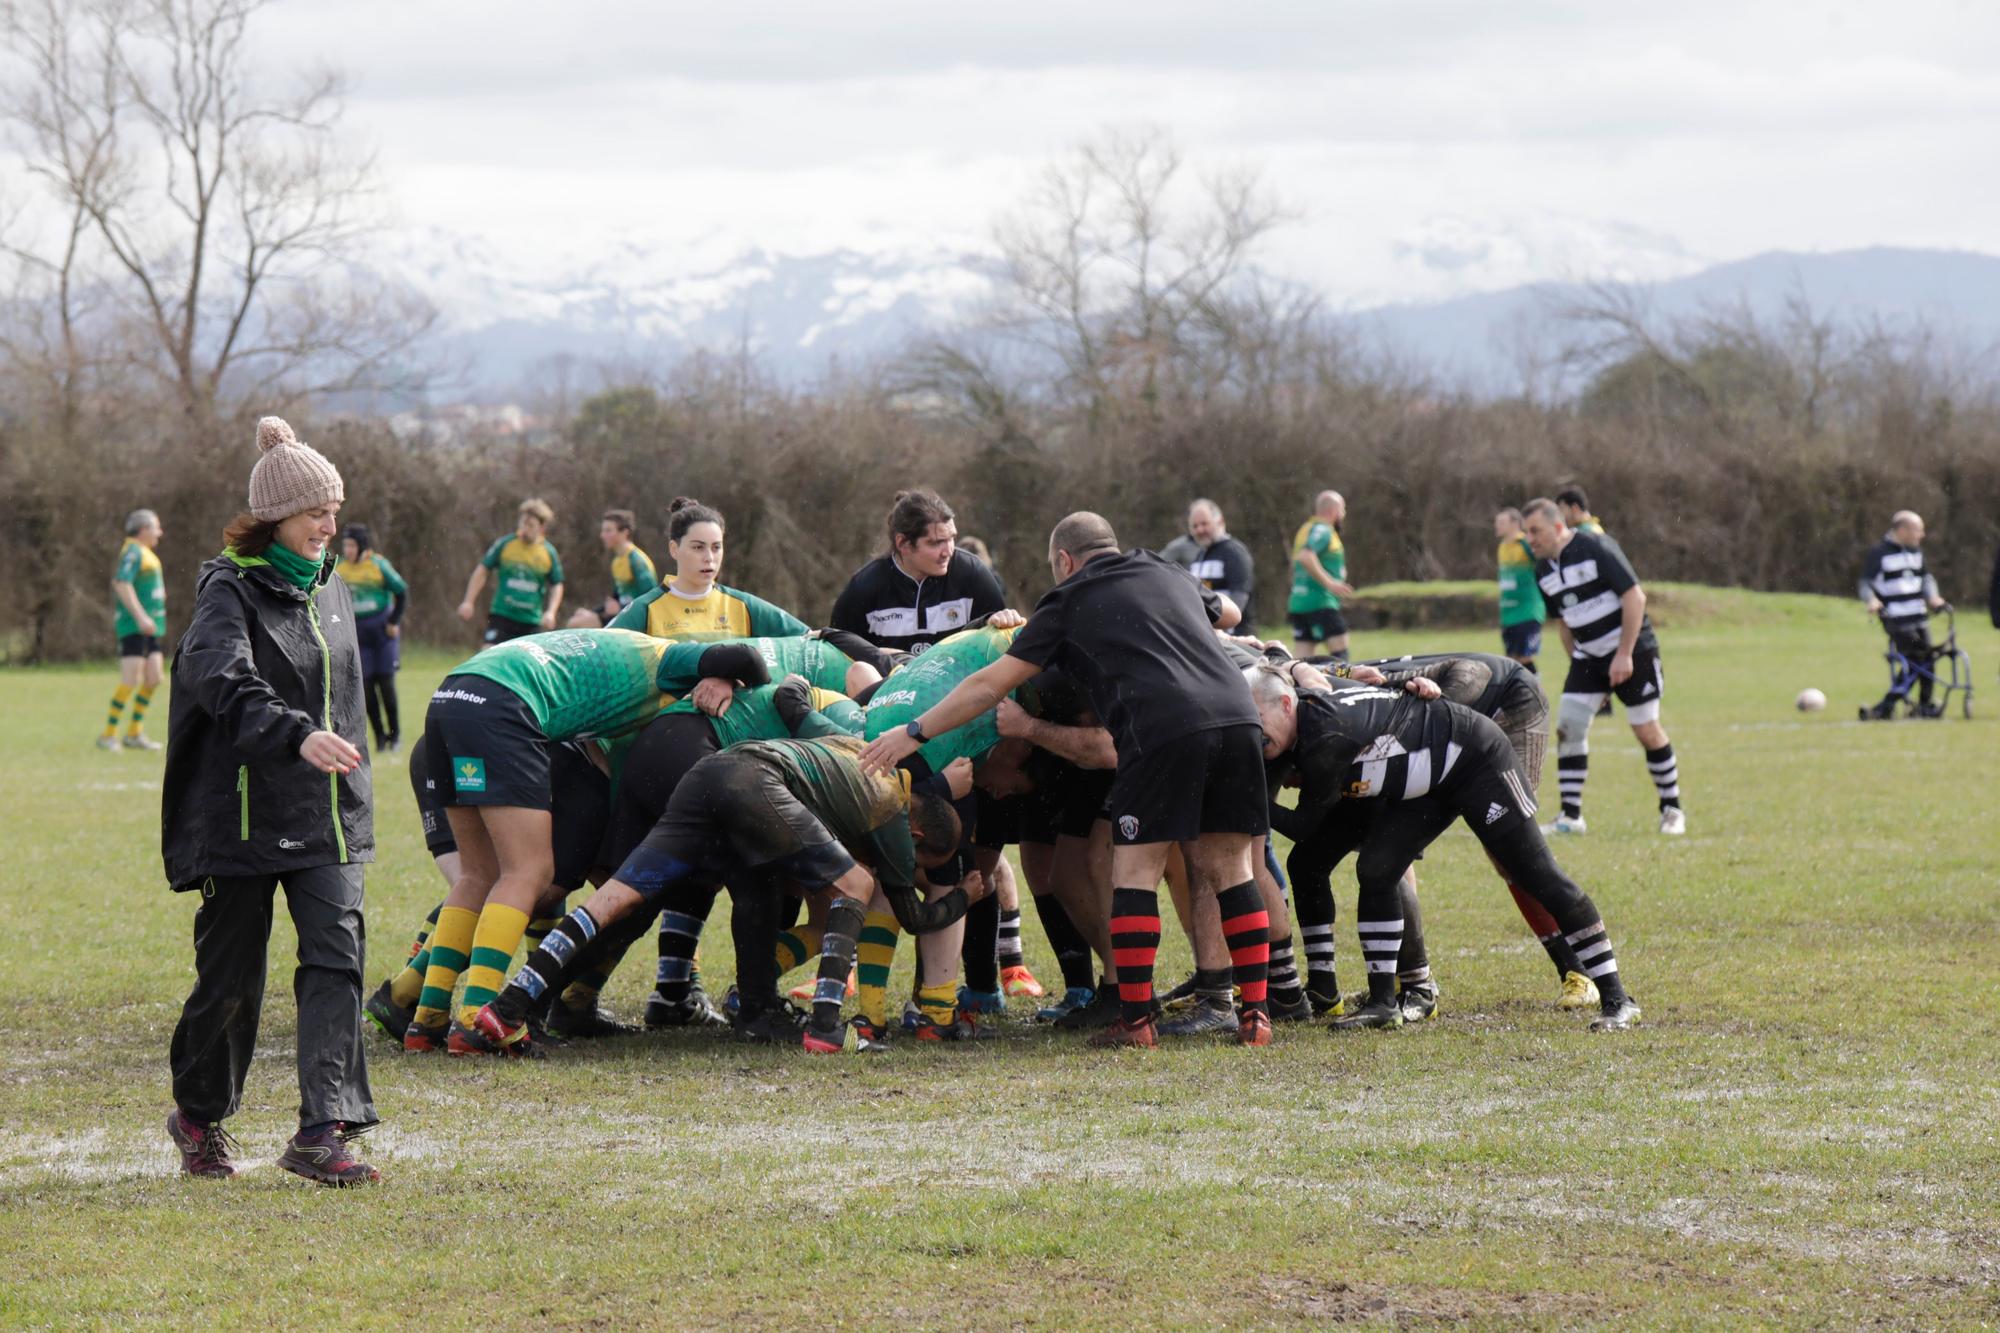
[1246, 927]
[1135, 946]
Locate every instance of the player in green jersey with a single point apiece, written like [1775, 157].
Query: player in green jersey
[529, 588]
[632, 574]
[380, 596]
[1319, 581]
[140, 622]
[488, 732]
[1521, 608]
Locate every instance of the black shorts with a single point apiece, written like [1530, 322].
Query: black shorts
[485, 746]
[664, 752]
[499, 629]
[1066, 801]
[1522, 640]
[138, 645]
[438, 838]
[1209, 782]
[998, 821]
[1318, 626]
[732, 814]
[1646, 685]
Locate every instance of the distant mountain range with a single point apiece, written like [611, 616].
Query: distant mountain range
[802, 316]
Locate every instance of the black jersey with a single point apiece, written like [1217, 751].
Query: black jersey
[890, 608]
[1583, 583]
[1357, 741]
[1226, 567]
[1137, 633]
[1484, 682]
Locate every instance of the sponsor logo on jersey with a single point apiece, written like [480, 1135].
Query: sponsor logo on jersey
[468, 774]
[892, 699]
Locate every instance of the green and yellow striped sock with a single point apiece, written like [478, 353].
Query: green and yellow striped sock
[118, 698]
[451, 944]
[407, 986]
[498, 935]
[874, 957]
[939, 1003]
[140, 700]
[798, 944]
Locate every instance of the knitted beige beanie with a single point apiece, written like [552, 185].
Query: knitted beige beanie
[291, 477]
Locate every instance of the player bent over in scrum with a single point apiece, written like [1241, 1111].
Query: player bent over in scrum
[1436, 762]
[763, 816]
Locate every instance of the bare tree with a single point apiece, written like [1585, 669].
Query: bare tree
[227, 221]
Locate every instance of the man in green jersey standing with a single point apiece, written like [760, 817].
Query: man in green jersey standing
[529, 578]
[140, 624]
[1319, 581]
[1521, 609]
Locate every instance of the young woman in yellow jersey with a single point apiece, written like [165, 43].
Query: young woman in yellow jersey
[692, 601]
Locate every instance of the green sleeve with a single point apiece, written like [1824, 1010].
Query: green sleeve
[555, 563]
[680, 664]
[1320, 540]
[844, 716]
[767, 621]
[492, 557]
[128, 566]
[895, 854]
[390, 578]
[634, 616]
[643, 573]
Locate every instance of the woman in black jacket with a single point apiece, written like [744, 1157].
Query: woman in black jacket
[267, 783]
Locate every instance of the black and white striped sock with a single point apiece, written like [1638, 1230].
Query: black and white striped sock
[1593, 953]
[1381, 943]
[1666, 771]
[1284, 973]
[1009, 950]
[1571, 771]
[1319, 956]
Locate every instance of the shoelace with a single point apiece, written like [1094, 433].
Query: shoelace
[348, 1133]
[216, 1146]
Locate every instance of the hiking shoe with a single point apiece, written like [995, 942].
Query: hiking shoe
[1298, 1011]
[143, 742]
[869, 1036]
[385, 1013]
[776, 1025]
[1419, 1001]
[690, 1011]
[1617, 1017]
[1579, 992]
[1122, 1033]
[1326, 1002]
[1208, 1014]
[981, 1001]
[205, 1149]
[418, 1038]
[1373, 1014]
[1255, 1029]
[490, 1034]
[1019, 983]
[1073, 999]
[325, 1157]
[1101, 1010]
[580, 1024]
[819, 1041]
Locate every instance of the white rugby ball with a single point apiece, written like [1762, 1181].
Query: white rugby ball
[1811, 700]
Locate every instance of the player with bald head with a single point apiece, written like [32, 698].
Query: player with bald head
[1319, 581]
[1137, 634]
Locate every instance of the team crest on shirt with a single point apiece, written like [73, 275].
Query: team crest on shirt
[1360, 787]
[1128, 828]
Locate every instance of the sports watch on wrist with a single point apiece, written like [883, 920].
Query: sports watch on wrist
[915, 731]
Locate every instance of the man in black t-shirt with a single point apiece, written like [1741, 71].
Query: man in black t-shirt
[1136, 633]
[1220, 561]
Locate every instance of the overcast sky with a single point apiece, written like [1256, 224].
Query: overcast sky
[1430, 145]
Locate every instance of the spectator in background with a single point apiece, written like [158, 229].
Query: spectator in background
[632, 573]
[1183, 550]
[140, 625]
[1896, 587]
[1221, 562]
[1521, 608]
[1575, 507]
[529, 573]
[1319, 581]
[978, 548]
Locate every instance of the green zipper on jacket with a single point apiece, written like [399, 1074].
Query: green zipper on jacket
[326, 717]
[243, 800]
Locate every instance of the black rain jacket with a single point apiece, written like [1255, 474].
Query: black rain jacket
[262, 666]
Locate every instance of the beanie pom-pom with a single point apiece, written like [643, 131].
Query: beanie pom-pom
[272, 432]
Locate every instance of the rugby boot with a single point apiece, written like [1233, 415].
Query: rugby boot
[1180, 997]
[1255, 1029]
[205, 1149]
[821, 1041]
[385, 1013]
[1673, 821]
[1207, 1015]
[1298, 1011]
[325, 1157]
[108, 743]
[1374, 1013]
[692, 1010]
[963, 1027]
[1418, 1001]
[1121, 1033]
[1616, 1016]
[773, 1025]
[981, 1001]
[418, 1038]
[1100, 1011]
[871, 1037]
[1579, 992]
[1073, 999]
[1324, 997]
[1565, 824]
[569, 1023]
[144, 742]
[1019, 983]
[490, 1034]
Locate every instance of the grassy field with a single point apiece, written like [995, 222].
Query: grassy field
[1803, 1132]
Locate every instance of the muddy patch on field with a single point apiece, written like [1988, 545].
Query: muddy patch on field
[1333, 1302]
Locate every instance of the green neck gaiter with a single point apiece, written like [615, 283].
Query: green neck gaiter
[291, 566]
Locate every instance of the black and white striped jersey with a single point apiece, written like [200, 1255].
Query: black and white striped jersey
[1583, 584]
[1894, 575]
[1358, 741]
[1484, 682]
